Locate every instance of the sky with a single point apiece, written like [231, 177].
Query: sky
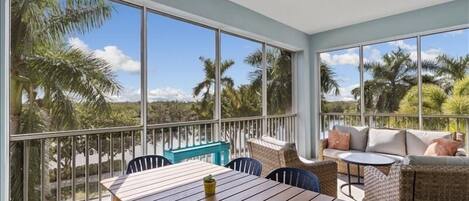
[173, 48]
[345, 63]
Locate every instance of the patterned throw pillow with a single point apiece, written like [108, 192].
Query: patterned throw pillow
[442, 147]
[338, 140]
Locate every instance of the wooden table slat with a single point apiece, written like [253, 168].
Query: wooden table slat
[219, 189]
[164, 185]
[270, 192]
[305, 195]
[194, 187]
[287, 194]
[253, 191]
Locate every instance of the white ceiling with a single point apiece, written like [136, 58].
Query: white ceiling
[313, 16]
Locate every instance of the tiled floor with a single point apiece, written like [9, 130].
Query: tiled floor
[357, 190]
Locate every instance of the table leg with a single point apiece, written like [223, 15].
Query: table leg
[349, 182]
[358, 169]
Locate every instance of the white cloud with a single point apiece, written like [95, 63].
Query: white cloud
[127, 95]
[345, 94]
[427, 55]
[403, 45]
[348, 58]
[111, 54]
[169, 94]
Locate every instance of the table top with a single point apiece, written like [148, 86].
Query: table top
[366, 159]
[183, 181]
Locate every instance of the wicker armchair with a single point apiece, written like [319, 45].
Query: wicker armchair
[273, 156]
[417, 182]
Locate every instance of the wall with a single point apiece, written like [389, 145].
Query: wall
[452, 14]
[4, 149]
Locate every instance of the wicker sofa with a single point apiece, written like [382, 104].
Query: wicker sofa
[420, 178]
[392, 143]
[274, 154]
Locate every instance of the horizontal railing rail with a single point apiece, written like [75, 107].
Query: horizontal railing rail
[68, 165]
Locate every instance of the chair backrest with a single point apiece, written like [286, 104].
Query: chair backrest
[296, 177]
[246, 165]
[147, 162]
[271, 156]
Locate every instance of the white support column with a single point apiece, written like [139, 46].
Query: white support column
[217, 113]
[362, 87]
[419, 77]
[264, 89]
[144, 81]
[4, 98]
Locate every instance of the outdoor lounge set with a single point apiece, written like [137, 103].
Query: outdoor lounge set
[413, 176]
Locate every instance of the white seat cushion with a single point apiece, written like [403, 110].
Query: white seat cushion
[436, 160]
[418, 140]
[334, 153]
[386, 141]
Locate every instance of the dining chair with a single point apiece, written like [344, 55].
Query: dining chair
[295, 177]
[147, 162]
[246, 165]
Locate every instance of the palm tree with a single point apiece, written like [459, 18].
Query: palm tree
[205, 107]
[451, 69]
[47, 76]
[279, 78]
[458, 103]
[392, 78]
[328, 82]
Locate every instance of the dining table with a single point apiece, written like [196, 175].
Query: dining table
[184, 181]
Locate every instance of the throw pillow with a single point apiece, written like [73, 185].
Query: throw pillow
[442, 147]
[338, 140]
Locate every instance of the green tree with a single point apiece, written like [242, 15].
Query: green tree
[392, 78]
[458, 103]
[433, 99]
[206, 87]
[279, 78]
[47, 76]
[328, 82]
[451, 70]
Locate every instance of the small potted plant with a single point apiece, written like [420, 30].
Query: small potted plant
[209, 185]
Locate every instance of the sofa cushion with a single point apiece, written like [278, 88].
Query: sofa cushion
[358, 136]
[442, 147]
[386, 141]
[436, 160]
[417, 140]
[334, 153]
[338, 140]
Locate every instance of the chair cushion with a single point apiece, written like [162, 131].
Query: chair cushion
[358, 136]
[338, 140]
[334, 153]
[284, 145]
[442, 147]
[386, 141]
[417, 140]
[436, 160]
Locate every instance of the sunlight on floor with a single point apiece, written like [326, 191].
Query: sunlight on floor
[357, 190]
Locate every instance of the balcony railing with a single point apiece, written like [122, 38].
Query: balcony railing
[68, 165]
[459, 123]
